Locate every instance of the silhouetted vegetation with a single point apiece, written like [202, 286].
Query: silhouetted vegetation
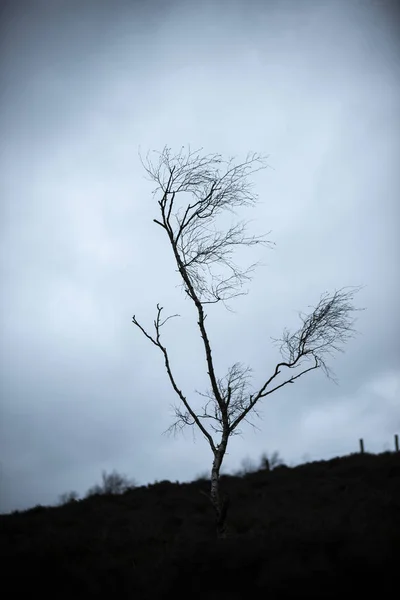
[112, 483]
[319, 530]
[203, 254]
[68, 497]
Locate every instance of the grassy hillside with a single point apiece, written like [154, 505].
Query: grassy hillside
[325, 529]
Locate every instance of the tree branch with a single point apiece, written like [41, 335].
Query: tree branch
[329, 325]
[157, 342]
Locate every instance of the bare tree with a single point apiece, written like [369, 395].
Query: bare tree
[270, 462]
[68, 497]
[113, 483]
[210, 186]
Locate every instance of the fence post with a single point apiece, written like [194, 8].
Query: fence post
[396, 442]
[361, 446]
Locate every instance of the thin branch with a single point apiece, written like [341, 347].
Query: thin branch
[158, 323]
[216, 185]
[324, 330]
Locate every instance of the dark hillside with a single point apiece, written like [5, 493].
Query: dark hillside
[320, 530]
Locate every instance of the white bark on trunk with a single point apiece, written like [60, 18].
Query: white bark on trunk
[220, 506]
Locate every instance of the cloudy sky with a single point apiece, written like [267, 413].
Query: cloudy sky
[84, 86]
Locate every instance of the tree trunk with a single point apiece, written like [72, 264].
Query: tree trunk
[220, 504]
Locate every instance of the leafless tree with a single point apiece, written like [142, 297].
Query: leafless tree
[68, 497]
[113, 483]
[209, 186]
[270, 462]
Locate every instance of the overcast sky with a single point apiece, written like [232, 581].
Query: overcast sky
[84, 85]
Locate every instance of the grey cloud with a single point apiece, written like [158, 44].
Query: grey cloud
[83, 88]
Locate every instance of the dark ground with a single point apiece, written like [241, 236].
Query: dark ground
[326, 529]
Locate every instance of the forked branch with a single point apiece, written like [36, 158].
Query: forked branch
[324, 331]
[156, 340]
[202, 250]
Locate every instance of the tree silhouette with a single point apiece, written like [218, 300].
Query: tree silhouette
[203, 252]
[112, 483]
